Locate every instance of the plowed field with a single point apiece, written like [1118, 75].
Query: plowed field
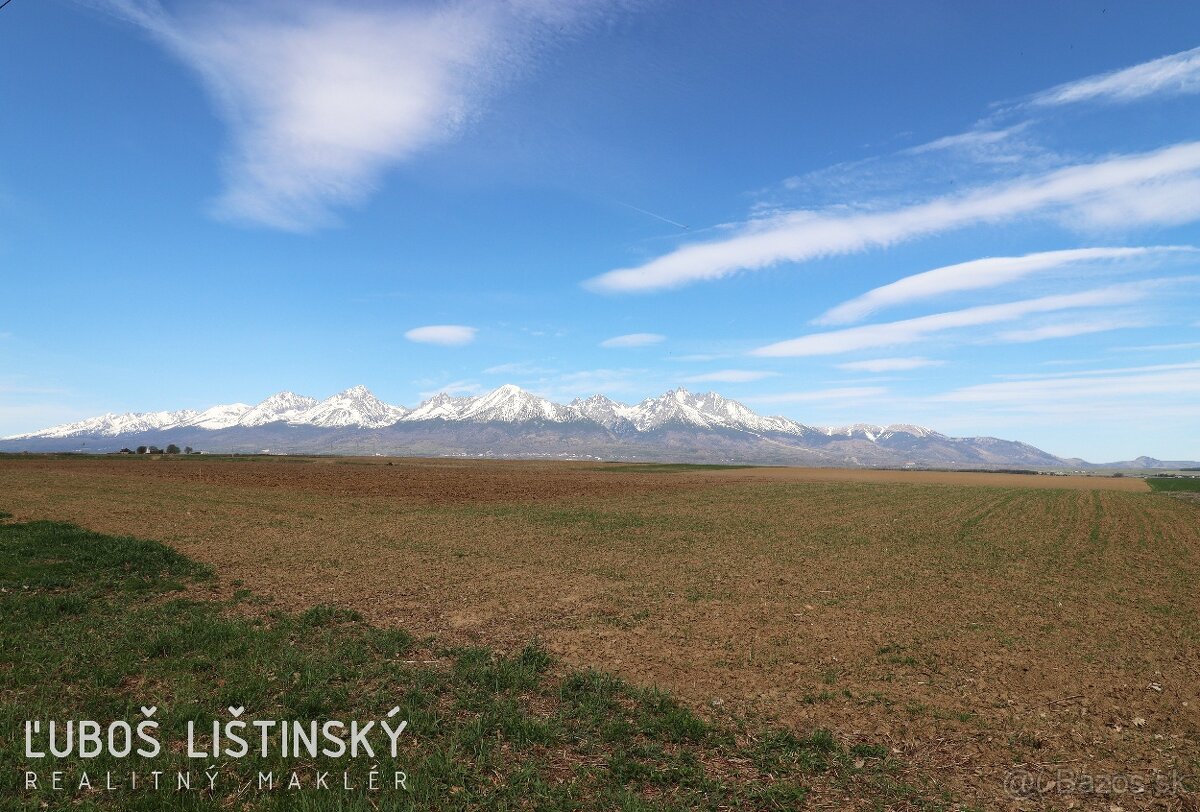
[975, 623]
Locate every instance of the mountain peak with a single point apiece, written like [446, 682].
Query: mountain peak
[510, 404]
[355, 406]
[282, 406]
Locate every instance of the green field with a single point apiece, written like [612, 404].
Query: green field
[1174, 484]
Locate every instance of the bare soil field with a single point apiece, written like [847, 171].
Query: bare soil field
[976, 624]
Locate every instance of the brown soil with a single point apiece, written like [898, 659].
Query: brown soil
[975, 624]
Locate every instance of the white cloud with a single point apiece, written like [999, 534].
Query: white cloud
[1171, 75]
[518, 368]
[321, 98]
[1081, 391]
[1064, 330]
[1110, 371]
[911, 330]
[975, 275]
[1186, 345]
[633, 340]
[889, 364]
[969, 139]
[984, 145]
[702, 356]
[448, 335]
[1085, 194]
[839, 393]
[730, 376]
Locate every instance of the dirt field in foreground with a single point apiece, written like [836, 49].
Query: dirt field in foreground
[974, 623]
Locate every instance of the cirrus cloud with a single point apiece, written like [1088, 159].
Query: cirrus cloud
[633, 340]
[908, 331]
[731, 376]
[978, 274]
[890, 364]
[1153, 187]
[1172, 75]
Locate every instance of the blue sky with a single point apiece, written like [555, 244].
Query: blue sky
[978, 217]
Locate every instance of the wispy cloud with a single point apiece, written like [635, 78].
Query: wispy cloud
[1185, 345]
[633, 340]
[890, 364]
[969, 139]
[1065, 330]
[1172, 75]
[730, 376]
[978, 274]
[839, 393]
[517, 368]
[702, 356]
[321, 98]
[1082, 373]
[1081, 391]
[447, 335]
[895, 333]
[1132, 187]
[985, 144]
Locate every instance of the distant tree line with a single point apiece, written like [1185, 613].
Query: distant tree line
[153, 449]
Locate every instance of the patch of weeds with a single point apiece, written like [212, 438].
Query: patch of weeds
[324, 615]
[869, 751]
[90, 628]
[824, 696]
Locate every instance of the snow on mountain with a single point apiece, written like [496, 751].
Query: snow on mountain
[873, 433]
[675, 406]
[354, 407]
[286, 406]
[709, 410]
[216, 417]
[605, 411]
[906, 428]
[111, 425]
[357, 407]
[441, 406]
[512, 404]
[732, 414]
[713, 428]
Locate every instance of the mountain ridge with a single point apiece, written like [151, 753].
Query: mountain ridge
[512, 422]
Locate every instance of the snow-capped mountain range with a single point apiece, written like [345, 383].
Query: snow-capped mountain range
[357, 407]
[511, 422]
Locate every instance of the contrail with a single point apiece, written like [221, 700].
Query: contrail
[655, 216]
